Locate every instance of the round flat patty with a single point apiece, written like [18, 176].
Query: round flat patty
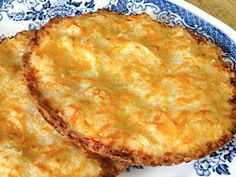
[29, 146]
[129, 88]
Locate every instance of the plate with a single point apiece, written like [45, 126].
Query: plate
[18, 15]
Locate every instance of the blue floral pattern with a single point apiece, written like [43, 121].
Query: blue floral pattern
[217, 161]
[38, 12]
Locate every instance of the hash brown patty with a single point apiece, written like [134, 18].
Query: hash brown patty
[129, 88]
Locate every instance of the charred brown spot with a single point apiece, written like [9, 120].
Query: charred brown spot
[198, 38]
[233, 100]
[72, 135]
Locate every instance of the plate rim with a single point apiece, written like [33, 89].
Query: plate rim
[229, 31]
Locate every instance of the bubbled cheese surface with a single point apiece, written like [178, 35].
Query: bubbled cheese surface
[132, 83]
[29, 146]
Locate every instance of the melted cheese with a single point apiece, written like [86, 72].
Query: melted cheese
[131, 83]
[29, 147]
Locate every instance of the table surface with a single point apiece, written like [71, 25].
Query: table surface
[224, 10]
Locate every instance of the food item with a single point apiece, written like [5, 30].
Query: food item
[29, 146]
[132, 89]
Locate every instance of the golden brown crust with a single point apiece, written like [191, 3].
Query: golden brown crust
[107, 167]
[22, 34]
[126, 155]
[96, 147]
[110, 168]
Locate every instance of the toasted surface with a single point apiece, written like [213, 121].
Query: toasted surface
[130, 88]
[29, 146]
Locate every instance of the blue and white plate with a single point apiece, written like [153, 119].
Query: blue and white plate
[17, 15]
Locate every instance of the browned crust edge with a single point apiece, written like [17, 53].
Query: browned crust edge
[125, 155]
[26, 34]
[109, 167]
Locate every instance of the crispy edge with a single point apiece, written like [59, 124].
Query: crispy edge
[109, 167]
[20, 35]
[125, 155]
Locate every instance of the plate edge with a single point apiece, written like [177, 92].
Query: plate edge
[230, 32]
